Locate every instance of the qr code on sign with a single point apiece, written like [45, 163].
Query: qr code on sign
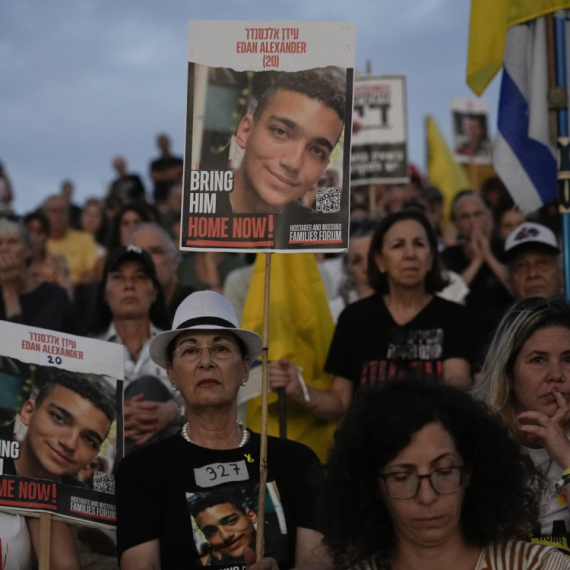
[104, 482]
[328, 199]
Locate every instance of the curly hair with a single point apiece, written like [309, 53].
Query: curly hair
[501, 496]
[323, 87]
[434, 280]
[518, 324]
[94, 393]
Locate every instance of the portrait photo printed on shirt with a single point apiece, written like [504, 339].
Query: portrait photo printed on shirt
[225, 521]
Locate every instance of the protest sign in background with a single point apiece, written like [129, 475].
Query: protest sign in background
[471, 131]
[379, 140]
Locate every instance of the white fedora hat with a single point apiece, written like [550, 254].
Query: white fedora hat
[204, 310]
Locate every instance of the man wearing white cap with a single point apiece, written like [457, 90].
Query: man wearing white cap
[533, 261]
[207, 358]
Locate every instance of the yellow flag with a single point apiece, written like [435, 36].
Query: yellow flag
[443, 170]
[488, 31]
[301, 329]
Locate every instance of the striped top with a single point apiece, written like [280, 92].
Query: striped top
[505, 555]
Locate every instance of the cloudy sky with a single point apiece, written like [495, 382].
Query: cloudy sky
[85, 80]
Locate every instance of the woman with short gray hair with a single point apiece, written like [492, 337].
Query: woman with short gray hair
[23, 299]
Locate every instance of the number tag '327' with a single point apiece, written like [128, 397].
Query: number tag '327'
[218, 473]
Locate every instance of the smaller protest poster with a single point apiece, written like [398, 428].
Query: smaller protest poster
[224, 522]
[471, 141]
[379, 133]
[267, 158]
[61, 427]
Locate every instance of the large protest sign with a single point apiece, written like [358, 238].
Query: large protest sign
[379, 140]
[471, 131]
[61, 427]
[267, 156]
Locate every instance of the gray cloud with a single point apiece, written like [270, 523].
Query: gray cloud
[85, 80]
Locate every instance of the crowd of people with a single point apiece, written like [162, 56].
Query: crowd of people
[448, 370]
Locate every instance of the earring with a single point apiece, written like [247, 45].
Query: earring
[243, 383]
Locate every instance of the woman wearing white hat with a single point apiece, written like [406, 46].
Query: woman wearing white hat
[191, 499]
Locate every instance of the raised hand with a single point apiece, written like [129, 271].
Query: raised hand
[538, 429]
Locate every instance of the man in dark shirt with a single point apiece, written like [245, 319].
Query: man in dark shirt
[476, 259]
[165, 170]
[127, 186]
[67, 191]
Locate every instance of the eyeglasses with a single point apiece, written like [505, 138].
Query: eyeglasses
[404, 485]
[222, 350]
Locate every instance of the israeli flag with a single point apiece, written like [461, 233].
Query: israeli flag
[523, 157]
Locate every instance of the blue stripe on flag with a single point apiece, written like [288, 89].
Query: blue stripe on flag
[535, 158]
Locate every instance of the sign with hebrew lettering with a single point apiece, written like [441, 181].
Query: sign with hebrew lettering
[61, 429]
[379, 139]
[267, 160]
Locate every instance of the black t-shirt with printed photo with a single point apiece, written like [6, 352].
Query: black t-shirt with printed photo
[369, 347]
[164, 489]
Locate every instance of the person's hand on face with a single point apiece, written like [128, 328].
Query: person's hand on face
[549, 432]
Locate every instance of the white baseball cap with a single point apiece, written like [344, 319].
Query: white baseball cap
[530, 233]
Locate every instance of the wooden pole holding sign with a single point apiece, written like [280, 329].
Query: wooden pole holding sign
[558, 100]
[473, 175]
[45, 542]
[223, 210]
[264, 399]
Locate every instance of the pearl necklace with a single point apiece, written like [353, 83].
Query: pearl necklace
[244, 437]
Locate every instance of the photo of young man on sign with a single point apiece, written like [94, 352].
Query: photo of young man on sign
[57, 450]
[287, 142]
[282, 151]
[60, 432]
[470, 131]
[66, 425]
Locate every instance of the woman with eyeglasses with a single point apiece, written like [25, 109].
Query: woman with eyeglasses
[191, 500]
[422, 477]
[526, 380]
